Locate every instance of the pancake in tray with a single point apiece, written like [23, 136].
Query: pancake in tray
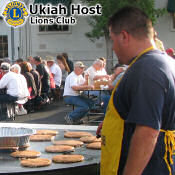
[59, 148]
[90, 139]
[26, 154]
[94, 145]
[75, 143]
[38, 162]
[46, 132]
[37, 138]
[76, 134]
[67, 158]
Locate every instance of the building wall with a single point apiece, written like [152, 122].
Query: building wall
[30, 41]
[75, 43]
[164, 26]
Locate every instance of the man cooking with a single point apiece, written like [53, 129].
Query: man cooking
[137, 133]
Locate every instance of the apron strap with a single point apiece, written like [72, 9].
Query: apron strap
[169, 141]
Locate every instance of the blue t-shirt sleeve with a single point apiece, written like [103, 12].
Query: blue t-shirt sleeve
[147, 102]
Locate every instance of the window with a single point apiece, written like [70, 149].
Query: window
[54, 28]
[3, 46]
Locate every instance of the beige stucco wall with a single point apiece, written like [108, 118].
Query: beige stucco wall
[75, 43]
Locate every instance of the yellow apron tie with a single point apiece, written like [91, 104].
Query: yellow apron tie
[169, 141]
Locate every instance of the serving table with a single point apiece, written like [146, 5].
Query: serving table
[90, 166]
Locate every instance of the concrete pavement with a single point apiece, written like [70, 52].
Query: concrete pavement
[52, 114]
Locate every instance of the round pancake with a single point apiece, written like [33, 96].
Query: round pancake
[90, 139]
[59, 148]
[41, 138]
[67, 158]
[38, 162]
[94, 145]
[46, 132]
[74, 143]
[77, 134]
[26, 154]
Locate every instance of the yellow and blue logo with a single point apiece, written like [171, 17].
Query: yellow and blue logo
[15, 13]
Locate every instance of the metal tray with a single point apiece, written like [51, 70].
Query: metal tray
[15, 137]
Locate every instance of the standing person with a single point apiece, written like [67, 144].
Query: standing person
[158, 42]
[69, 62]
[64, 67]
[137, 132]
[73, 85]
[170, 52]
[44, 75]
[31, 60]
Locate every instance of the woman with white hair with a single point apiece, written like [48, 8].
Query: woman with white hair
[23, 87]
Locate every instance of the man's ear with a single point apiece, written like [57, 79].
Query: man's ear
[125, 37]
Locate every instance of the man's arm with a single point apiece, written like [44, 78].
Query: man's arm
[99, 77]
[82, 87]
[141, 148]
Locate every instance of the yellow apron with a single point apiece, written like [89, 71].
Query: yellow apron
[112, 134]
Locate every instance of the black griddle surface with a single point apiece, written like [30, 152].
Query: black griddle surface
[10, 165]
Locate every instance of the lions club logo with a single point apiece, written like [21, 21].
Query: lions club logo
[15, 13]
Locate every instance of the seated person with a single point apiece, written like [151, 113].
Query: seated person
[55, 70]
[57, 76]
[73, 85]
[36, 77]
[104, 65]
[24, 90]
[12, 83]
[119, 71]
[96, 71]
[25, 71]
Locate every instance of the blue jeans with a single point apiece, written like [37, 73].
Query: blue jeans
[83, 105]
[105, 100]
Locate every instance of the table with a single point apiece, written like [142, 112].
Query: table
[99, 106]
[10, 165]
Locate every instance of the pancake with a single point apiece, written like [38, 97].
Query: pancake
[38, 138]
[67, 158]
[94, 145]
[77, 134]
[59, 148]
[38, 162]
[46, 132]
[74, 143]
[90, 139]
[26, 154]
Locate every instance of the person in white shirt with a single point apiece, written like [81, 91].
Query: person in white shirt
[24, 90]
[96, 71]
[75, 82]
[55, 70]
[11, 82]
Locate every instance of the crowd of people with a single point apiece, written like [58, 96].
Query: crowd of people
[35, 79]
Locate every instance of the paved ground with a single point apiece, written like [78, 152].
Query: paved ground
[53, 114]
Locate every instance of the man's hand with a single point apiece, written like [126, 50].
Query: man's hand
[98, 132]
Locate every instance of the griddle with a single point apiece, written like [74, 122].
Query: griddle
[90, 166]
